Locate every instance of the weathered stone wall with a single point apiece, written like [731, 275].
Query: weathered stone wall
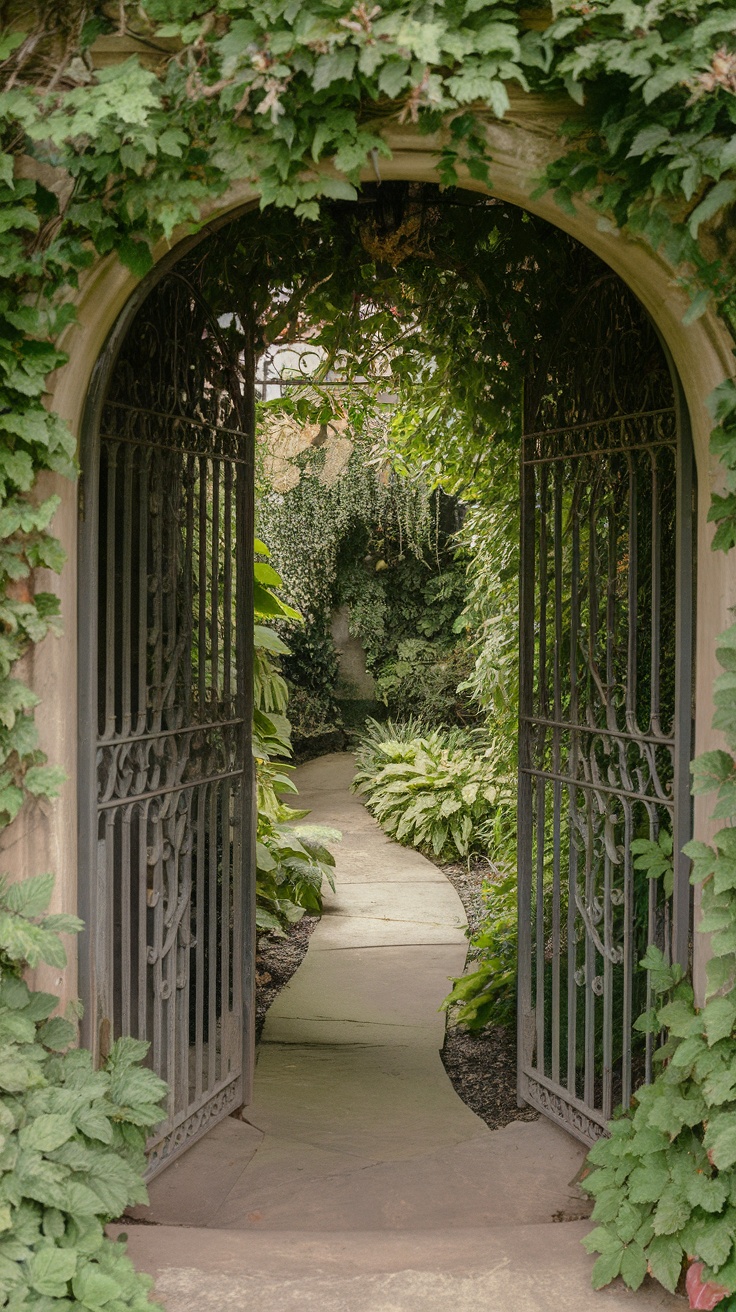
[356, 682]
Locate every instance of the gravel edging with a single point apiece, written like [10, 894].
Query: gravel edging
[482, 1063]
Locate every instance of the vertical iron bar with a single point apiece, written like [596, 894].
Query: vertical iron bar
[200, 994]
[142, 936]
[126, 600]
[142, 580]
[126, 980]
[111, 646]
[608, 872]
[227, 600]
[630, 964]
[225, 1039]
[557, 786]
[525, 808]
[540, 785]
[215, 592]
[607, 1075]
[202, 591]
[245, 532]
[573, 767]
[656, 611]
[589, 852]
[684, 629]
[212, 869]
[631, 662]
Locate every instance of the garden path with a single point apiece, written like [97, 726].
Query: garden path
[358, 1180]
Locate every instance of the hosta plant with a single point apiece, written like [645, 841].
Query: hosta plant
[292, 864]
[435, 790]
[72, 1138]
[486, 994]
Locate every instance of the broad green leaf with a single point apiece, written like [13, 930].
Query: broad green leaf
[51, 1269]
[664, 1255]
[719, 1018]
[633, 1265]
[30, 897]
[46, 1133]
[722, 194]
[607, 1267]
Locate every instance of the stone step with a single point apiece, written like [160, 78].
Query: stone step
[519, 1268]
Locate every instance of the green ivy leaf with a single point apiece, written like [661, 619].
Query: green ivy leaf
[664, 1255]
[720, 1141]
[30, 897]
[51, 1269]
[607, 1267]
[46, 1133]
[647, 1182]
[719, 1018]
[672, 1212]
[633, 1265]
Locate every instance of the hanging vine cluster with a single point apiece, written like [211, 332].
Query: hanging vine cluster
[101, 155]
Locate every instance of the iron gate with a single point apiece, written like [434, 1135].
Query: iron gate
[165, 656]
[605, 702]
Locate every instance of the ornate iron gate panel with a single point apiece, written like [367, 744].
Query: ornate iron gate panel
[166, 763]
[605, 715]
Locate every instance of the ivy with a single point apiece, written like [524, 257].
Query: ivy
[72, 1139]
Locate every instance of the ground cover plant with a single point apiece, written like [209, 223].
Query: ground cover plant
[72, 1138]
[266, 91]
[486, 993]
[429, 788]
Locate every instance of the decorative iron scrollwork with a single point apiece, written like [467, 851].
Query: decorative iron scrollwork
[601, 746]
[172, 746]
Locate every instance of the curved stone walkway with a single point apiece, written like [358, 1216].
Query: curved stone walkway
[358, 1180]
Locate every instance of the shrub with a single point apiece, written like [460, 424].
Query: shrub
[72, 1138]
[292, 862]
[423, 680]
[312, 714]
[435, 790]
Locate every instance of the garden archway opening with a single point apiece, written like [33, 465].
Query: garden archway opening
[166, 651]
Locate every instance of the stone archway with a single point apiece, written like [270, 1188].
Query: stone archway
[520, 147]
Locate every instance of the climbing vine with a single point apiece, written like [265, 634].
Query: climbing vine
[356, 534]
[295, 94]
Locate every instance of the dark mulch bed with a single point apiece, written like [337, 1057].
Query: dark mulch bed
[276, 961]
[482, 1064]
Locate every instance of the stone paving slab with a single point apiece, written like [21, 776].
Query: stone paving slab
[340, 1097]
[359, 861]
[443, 1190]
[338, 932]
[520, 1268]
[402, 985]
[413, 903]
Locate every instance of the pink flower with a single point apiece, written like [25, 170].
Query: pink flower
[703, 1293]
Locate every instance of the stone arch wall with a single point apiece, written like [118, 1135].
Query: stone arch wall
[44, 835]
